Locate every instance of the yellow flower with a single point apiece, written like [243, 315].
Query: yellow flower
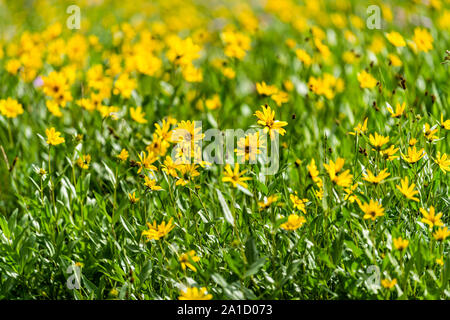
[123, 155]
[10, 108]
[145, 161]
[400, 244]
[412, 142]
[186, 258]
[187, 133]
[294, 222]
[370, 177]
[344, 179]
[124, 85]
[372, 210]
[312, 170]
[267, 202]
[350, 196]
[298, 203]
[423, 39]
[151, 184]
[408, 191]
[388, 284]
[266, 119]
[441, 234]
[249, 146]
[213, 103]
[303, 56]
[194, 294]
[378, 141]
[13, 66]
[399, 110]
[366, 80]
[431, 218]
[360, 129]
[155, 232]
[395, 60]
[170, 167]
[413, 155]
[83, 161]
[443, 162]
[182, 52]
[265, 89]
[389, 153]
[290, 43]
[429, 132]
[137, 115]
[280, 97]
[236, 44]
[235, 177]
[440, 261]
[133, 198]
[53, 136]
[396, 39]
[445, 124]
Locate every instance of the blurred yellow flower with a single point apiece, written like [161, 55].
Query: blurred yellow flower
[293, 223]
[396, 39]
[400, 244]
[194, 294]
[10, 108]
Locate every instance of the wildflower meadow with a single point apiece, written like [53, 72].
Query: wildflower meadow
[198, 150]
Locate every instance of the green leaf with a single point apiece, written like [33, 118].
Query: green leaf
[254, 267]
[226, 210]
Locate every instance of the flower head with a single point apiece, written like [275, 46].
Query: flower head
[378, 141]
[388, 284]
[132, 197]
[372, 210]
[267, 119]
[400, 244]
[443, 162]
[343, 179]
[156, 232]
[194, 294]
[441, 234]
[298, 203]
[234, 176]
[396, 39]
[186, 259]
[360, 129]
[399, 110]
[137, 115]
[370, 177]
[293, 223]
[430, 218]
[407, 190]
[413, 155]
[83, 161]
[151, 184]
[53, 136]
[423, 39]
[267, 201]
[366, 80]
[10, 108]
[123, 155]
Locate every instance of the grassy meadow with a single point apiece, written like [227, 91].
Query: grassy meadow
[99, 198]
